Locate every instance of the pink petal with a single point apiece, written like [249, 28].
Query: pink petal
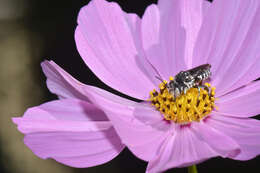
[182, 148]
[167, 56]
[65, 110]
[61, 83]
[142, 138]
[71, 139]
[134, 23]
[222, 144]
[175, 26]
[65, 86]
[33, 125]
[149, 33]
[115, 107]
[159, 163]
[121, 112]
[132, 131]
[244, 102]
[192, 15]
[229, 41]
[149, 117]
[105, 42]
[205, 7]
[147, 114]
[91, 160]
[150, 26]
[150, 149]
[245, 131]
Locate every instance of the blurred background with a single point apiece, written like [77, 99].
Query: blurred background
[31, 31]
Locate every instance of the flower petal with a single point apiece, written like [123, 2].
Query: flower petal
[230, 43]
[65, 86]
[193, 12]
[143, 139]
[205, 7]
[70, 138]
[167, 56]
[132, 131]
[105, 42]
[150, 26]
[245, 131]
[91, 160]
[149, 32]
[147, 114]
[149, 117]
[159, 163]
[222, 144]
[67, 109]
[121, 112]
[182, 148]
[192, 144]
[244, 102]
[135, 24]
[59, 82]
[175, 26]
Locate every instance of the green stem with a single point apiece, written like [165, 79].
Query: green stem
[192, 169]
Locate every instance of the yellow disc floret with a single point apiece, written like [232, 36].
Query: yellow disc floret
[192, 106]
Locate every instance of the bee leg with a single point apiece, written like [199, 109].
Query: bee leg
[203, 87]
[174, 98]
[173, 93]
[207, 88]
[177, 92]
[185, 90]
[199, 87]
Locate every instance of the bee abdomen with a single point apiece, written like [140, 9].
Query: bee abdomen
[203, 75]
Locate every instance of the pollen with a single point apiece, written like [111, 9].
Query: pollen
[195, 105]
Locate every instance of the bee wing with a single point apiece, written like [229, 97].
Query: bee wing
[194, 71]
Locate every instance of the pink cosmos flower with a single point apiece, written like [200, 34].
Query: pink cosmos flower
[129, 54]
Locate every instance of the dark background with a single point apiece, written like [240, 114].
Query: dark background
[50, 27]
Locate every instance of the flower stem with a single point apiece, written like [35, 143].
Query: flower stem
[192, 169]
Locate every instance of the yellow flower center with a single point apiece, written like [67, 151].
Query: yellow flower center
[193, 106]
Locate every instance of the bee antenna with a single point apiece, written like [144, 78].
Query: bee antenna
[159, 78]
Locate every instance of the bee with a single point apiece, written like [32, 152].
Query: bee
[185, 80]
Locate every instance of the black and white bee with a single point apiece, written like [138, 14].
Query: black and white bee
[185, 80]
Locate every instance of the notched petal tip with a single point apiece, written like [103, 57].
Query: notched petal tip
[16, 120]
